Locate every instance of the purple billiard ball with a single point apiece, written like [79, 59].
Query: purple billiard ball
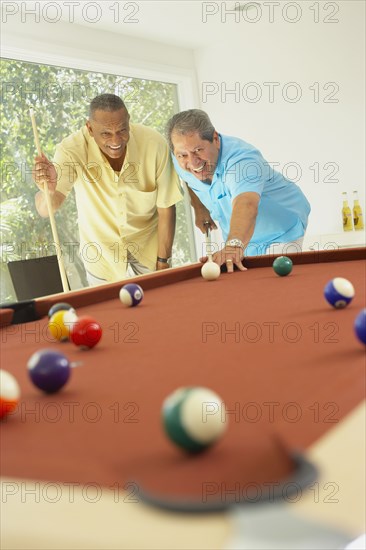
[360, 326]
[131, 294]
[339, 292]
[49, 370]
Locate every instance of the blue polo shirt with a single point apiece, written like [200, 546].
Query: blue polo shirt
[283, 208]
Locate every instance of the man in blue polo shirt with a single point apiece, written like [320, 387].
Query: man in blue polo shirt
[229, 181]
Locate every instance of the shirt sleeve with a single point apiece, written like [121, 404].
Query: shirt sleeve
[168, 185]
[246, 174]
[66, 170]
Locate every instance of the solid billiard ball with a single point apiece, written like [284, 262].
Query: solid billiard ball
[360, 326]
[193, 419]
[282, 266]
[60, 306]
[131, 294]
[49, 370]
[9, 393]
[86, 332]
[339, 292]
[210, 271]
[61, 323]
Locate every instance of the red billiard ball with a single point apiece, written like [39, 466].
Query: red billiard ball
[86, 332]
[9, 393]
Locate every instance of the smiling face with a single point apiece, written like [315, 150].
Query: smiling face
[111, 131]
[196, 155]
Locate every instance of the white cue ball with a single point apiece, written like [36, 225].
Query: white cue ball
[210, 271]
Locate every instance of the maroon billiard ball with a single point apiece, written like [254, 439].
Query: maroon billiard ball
[86, 332]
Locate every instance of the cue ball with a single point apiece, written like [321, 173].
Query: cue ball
[9, 393]
[282, 266]
[49, 370]
[210, 271]
[339, 292]
[193, 418]
[360, 326]
[131, 295]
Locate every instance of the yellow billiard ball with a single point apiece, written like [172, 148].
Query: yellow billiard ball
[61, 323]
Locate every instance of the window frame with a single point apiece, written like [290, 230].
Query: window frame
[186, 95]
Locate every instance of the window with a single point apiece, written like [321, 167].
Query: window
[60, 97]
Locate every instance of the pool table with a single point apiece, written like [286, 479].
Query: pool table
[287, 366]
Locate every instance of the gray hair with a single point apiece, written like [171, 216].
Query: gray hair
[188, 122]
[106, 102]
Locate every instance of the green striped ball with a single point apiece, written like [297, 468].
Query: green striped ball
[194, 418]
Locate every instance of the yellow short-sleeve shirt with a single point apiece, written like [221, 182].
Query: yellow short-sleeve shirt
[117, 212]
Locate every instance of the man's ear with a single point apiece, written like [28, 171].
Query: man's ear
[216, 139]
[90, 129]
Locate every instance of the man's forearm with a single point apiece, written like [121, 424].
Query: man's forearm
[41, 204]
[244, 215]
[166, 231]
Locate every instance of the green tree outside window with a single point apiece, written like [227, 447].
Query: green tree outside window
[60, 97]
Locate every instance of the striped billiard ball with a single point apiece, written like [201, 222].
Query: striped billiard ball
[194, 418]
[131, 294]
[339, 292]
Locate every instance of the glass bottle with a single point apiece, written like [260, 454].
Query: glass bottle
[346, 214]
[357, 213]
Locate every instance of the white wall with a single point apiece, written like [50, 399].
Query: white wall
[304, 132]
[78, 46]
[90, 48]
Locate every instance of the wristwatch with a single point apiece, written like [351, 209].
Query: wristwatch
[236, 243]
[165, 261]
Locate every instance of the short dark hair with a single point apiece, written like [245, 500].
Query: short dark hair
[188, 122]
[106, 102]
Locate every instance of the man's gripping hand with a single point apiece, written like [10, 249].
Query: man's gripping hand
[44, 171]
[204, 220]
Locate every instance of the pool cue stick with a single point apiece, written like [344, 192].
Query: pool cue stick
[56, 240]
[208, 241]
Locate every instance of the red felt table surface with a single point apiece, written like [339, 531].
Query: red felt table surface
[287, 366]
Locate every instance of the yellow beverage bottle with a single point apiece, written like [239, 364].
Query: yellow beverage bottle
[346, 214]
[357, 213]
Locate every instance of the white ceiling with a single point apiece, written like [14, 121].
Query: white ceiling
[177, 22]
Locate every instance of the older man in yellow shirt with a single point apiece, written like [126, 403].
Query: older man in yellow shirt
[126, 189]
